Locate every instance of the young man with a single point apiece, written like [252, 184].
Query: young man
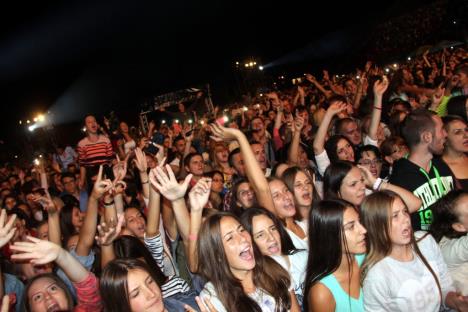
[423, 172]
[93, 150]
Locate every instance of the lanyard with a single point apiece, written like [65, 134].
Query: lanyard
[439, 180]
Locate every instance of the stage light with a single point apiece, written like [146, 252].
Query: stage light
[357, 77]
[190, 121]
[245, 108]
[83, 129]
[451, 48]
[454, 22]
[387, 70]
[27, 121]
[409, 58]
[176, 121]
[261, 94]
[237, 63]
[202, 122]
[255, 63]
[251, 64]
[31, 128]
[163, 121]
[260, 67]
[395, 65]
[16, 156]
[40, 156]
[35, 119]
[225, 118]
[41, 117]
[20, 122]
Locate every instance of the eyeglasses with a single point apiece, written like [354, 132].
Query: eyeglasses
[368, 162]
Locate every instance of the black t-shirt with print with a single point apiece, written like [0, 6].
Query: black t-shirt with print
[410, 176]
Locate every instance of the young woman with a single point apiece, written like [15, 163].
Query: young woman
[300, 183]
[346, 181]
[271, 239]
[449, 228]
[238, 279]
[271, 194]
[47, 292]
[332, 280]
[403, 271]
[456, 148]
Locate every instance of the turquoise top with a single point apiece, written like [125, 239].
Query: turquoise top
[344, 302]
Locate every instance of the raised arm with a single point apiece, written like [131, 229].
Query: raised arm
[254, 173]
[319, 141]
[170, 188]
[55, 234]
[379, 89]
[108, 231]
[154, 207]
[141, 164]
[293, 152]
[88, 230]
[412, 202]
[198, 198]
[312, 80]
[41, 252]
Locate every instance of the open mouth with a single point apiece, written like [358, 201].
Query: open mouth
[274, 248]
[246, 254]
[53, 307]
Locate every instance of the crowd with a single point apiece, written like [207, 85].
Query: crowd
[338, 194]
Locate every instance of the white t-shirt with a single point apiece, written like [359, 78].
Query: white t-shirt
[455, 253]
[296, 268]
[266, 302]
[298, 242]
[392, 285]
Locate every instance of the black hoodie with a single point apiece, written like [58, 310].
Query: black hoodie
[410, 176]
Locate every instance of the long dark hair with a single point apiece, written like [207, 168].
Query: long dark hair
[127, 246]
[287, 246]
[213, 266]
[66, 225]
[234, 207]
[444, 215]
[57, 280]
[457, 106]
[325, 251]
[113, 283]
[376, 213]
[289, 176]
[332, 144]
[333, 178]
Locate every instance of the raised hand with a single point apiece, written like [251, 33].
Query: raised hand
[204, 305]
[437, 96]
[199, 194]
[167, 184]
[380, 86]
[46, 202]
[369, 178]
[101, 186]
[326, 76]
[311, 78]
[223, 133]
[337, 107]
[7, 231]
[120, 169]
[298, 123]
[108, 232]
[36, 250]
[140, 160]
[160, 154]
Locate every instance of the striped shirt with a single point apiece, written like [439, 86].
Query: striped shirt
[174, 284]
[94, 153]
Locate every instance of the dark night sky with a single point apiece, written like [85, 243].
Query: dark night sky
[94, 56]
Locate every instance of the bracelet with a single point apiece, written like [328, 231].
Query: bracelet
[144, 182]
[108, 204]
[377, 184]
[379, 108]
[193, 237]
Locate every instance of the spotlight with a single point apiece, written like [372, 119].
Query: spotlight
[454, 22]
[251, 64]
[190, 121]
[16, 156]
[451, 48]
[247, 65]
[83, 129]
[27, 121]
[20, 122]
[225, 118]
[176, 121]
[237, 63]
[40, 156]
[395, 65]
[163, 121]
[260, 67]
[31, 128]
[387, 70]
[409, 58]
[35, 119]
[41, 117]
[202, 122]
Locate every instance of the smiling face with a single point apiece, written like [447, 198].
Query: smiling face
[457, 136]
[355, 233]
[303, 189]
[45, 295]
[400, 224]
[237, 245]
[282, 199]
[353, 188]
[143, 292]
